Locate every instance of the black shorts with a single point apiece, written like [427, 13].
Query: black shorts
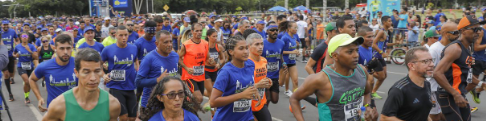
[451, 111]
[275, 86]
[22, 71]
[376, 65]
[263, 114]
[290, 65]
[302, 43]
[128, 101]
[211, 75]
[11, 65]
[479, 67]
[198, 86]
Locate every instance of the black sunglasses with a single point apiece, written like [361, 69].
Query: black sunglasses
[453, 32]
[129, 24]
[475, 29]
[181, 95]
[272, 30]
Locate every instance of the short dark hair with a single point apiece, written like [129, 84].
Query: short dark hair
[280, 17]
[81, 22]
[248, 32]
[384, 19]
[360, 23]
[159, 33]
[405, 8]
[301, 17]
[158, 19]
[341, 21]
[99, 23]
[150, 24]
[62, 39]
[121, 27]
[363, 30]
[86, 54]
[410, 55]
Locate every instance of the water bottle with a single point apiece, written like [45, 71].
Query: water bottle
[363, 110]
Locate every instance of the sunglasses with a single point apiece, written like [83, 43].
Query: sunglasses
[272, 30]
[113, 33]
[44, 41]
[475, 29]
[25, 36]
[129, 24]
[453, 32]
[435, 37]
[181, 94]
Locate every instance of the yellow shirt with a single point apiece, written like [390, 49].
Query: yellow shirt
[108, 41]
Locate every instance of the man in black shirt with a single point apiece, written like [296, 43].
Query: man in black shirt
[97, 32]
[410, 98]
[315, 63]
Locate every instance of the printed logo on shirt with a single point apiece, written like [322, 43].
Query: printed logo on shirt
[416, 101]
[63, 82]
[127, 61]
[171, 73]
[242, 105]
[24, 54]
[261, 72]
[351, 95]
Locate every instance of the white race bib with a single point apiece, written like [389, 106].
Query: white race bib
[469, 76]
[272, 66]
[214, 56]
[242, 105]
[292, 56]
[198, 70]
[117, 75]
[351, 110]
[261, 91]
[26, 65]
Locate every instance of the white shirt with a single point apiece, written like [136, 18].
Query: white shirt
[375, 27]
[435, 50]
[301, 28]
[105, 31]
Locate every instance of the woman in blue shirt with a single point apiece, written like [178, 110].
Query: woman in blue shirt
[27, 61]
[290, 53]
[171, 99]
[234, 87]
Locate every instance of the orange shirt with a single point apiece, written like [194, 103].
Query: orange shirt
[195, 58]
[259, 74]
[320, 31]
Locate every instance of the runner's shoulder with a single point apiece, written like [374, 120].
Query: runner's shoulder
[320, 78]
[58, 105]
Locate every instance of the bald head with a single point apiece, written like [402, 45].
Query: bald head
[448, 26]
[447, 31]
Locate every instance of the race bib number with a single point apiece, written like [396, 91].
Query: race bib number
[214, 56]
[272, 66]
[261, 91]
[198, 70]
[26, 65]
[292, 56]
[242, 105]
[469, 76]
[351, 111]
[117, 75]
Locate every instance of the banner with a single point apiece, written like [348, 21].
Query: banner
[385, 6]
[120, 3]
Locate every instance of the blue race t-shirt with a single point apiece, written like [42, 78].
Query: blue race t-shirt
[132, 37]
[210, 26]
[226, 33]
[144, 46]
[97, 46]
[153, 65]
[25, 57]
[403, 23]
[8, 40]
[176, 32]
[167, 28]
[263, 33]
[272, 52]
[188, 116]
[280, 35]
[290, 45]
[59, 79]
[232, 80]
[365, 55]
[121, 63]
[481, 55]
[437, 18]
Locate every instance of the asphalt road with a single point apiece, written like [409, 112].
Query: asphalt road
[279, 111]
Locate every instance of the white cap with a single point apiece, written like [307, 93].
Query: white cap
[107, 18]
[219, 20]
[76, 23]
[58, 30]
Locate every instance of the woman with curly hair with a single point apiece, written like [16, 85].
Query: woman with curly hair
[171, 99]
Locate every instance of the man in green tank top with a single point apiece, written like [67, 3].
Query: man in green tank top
[341, 88]
[86, 102]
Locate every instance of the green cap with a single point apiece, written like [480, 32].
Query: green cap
[331, 26]
[431, 33]
[342, 40]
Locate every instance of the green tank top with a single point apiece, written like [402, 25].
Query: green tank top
[74, 112]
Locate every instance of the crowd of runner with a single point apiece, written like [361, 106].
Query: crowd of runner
[160, 68]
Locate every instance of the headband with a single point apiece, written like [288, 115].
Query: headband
[149, 29]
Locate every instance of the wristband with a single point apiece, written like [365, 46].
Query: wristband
[380, 52]
[366, 105]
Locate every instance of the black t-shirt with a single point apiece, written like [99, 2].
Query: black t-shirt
[407, 101]
[318, 56]
[97, 36]
[31, 38]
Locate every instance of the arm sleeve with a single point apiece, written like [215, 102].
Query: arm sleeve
[145, 81]
[32, 47]
[221, 81]
[104, 56]
[3, 56]
[393, 102]
[39, 71]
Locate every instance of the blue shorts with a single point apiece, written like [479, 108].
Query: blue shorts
[174, 45]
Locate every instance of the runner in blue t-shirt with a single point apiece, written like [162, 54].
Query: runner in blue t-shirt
[146, 43]
[272, 51]
[58, 73]
[290, 54]
[122, 62]
[132, 35]
[235, 82]
[175, 36]
[170, 98]
[90, 41]
[156, 65]
[9, 38]
[28, 59]
[166, 25]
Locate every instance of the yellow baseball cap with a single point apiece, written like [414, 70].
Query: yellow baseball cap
[342, 40]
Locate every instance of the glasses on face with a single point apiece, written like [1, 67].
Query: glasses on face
[44, 41]
[475, 29]
[453, 32]
[426, 61]
[113, 33]
[172, 95]
[129, 24]
[272, 30]
[25, 36]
